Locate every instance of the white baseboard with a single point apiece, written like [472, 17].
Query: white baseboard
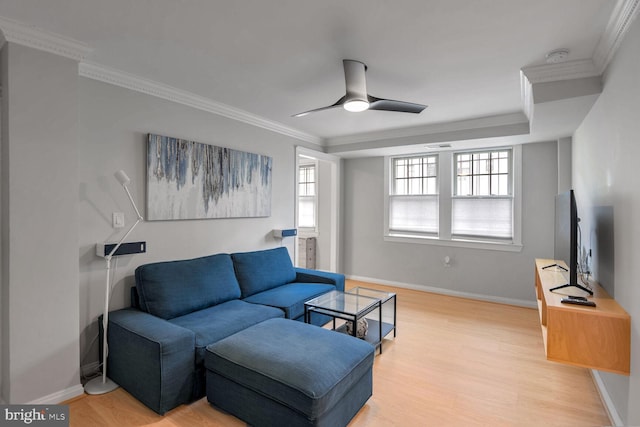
[59, 396]
[443, 291]
[614, 417]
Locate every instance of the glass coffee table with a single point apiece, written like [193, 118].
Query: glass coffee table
[377, 307]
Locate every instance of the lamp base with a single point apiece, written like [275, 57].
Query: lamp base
[96, 386]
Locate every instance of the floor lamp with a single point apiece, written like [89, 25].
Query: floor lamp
[101, 385]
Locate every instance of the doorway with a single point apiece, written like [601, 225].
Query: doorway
[317, 210]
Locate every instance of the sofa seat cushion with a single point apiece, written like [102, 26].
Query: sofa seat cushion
[261, 270]
[303, 367]
[290, 297]
[175, 288]
[215, 323]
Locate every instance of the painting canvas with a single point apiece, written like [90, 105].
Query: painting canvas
[191, 180]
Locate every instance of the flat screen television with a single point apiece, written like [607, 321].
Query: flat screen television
[566, 238]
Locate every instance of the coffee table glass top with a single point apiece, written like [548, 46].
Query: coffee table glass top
[342, 302]
[371, 293]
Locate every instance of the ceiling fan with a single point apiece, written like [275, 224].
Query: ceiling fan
[357, 99]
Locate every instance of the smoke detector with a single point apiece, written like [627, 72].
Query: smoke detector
[556, 56]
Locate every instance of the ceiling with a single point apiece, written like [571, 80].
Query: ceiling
[271, 59]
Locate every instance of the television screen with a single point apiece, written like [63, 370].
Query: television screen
[566, 237]
[565, 242]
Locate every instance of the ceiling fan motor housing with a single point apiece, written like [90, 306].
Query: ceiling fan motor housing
[356, 84]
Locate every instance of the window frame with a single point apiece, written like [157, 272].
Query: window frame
[313, 197]
[424, 175]
[446, 182]
[457, 154]
[455, 189]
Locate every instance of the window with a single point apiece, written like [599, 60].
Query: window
[482, 204]
[307, 196]
[466, 198]
[483, 173]
[413, 202]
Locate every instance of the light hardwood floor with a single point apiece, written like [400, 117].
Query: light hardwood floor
[454, 362]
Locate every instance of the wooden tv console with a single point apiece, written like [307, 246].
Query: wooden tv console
[592, 337]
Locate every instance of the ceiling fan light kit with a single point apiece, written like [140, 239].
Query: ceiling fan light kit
[357, 99]
[356, 105]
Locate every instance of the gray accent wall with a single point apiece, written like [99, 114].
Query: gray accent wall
[40, 310]
[606, 149]
[487, 274]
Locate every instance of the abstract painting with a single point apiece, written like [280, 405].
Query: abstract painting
[191, 180]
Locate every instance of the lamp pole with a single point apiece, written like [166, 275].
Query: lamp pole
[101, 385]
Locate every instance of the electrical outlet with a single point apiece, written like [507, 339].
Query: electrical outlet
[118, 219]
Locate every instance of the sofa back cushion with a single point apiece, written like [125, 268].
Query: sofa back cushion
[175, 288]
[261, 270]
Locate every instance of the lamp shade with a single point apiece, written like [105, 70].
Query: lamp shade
[122, 177]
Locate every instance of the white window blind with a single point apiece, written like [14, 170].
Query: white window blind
[414, 213]
[306, 211]
[482, 217]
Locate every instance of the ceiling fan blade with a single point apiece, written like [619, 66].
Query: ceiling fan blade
[338, 103]
[357, 99]
[391, 105]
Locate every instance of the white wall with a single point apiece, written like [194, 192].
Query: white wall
[564, 165]
[506, 276]
[606, 149]
[113, 123]
[3, 227]
[40, 355]
[326, 214]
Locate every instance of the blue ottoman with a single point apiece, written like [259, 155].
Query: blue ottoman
[283, 372]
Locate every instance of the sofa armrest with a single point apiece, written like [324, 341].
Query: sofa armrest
[317, 276]
[151, 358]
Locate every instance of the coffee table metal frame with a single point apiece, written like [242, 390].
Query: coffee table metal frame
[385, 298]
[352, 307]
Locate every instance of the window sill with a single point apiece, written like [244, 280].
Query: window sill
[304, 233]
[472, 244]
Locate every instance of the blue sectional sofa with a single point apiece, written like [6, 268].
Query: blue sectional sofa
[157, 347]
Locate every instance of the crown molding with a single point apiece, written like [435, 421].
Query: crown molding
[624, 12]
[569, 70]
[160, 90]
[435, 128]
[425, 140]
[546, 73]
[19, 33]
[622, 16]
